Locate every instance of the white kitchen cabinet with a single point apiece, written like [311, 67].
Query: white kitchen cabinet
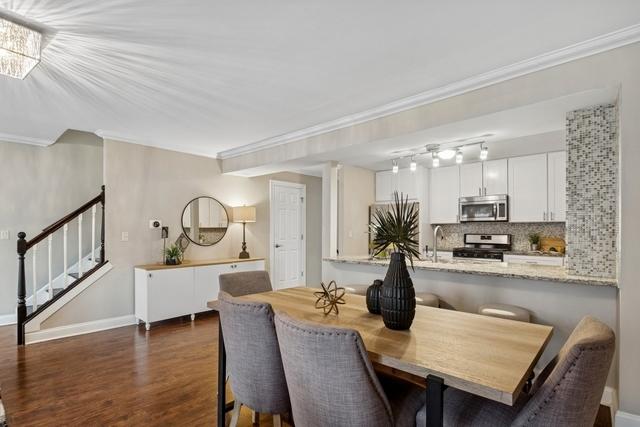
[534, 260]
[385, 186]
[407, 183]
[163, 292]
[528, 188]
[444, 192]
[471, 179]
[494, 177]
[557, 186]
[203, 213]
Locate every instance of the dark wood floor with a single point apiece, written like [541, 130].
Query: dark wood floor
[121, 377]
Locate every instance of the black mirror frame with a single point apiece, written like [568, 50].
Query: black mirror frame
[182, 224]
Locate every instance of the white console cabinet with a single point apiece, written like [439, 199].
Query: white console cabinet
[164, 291]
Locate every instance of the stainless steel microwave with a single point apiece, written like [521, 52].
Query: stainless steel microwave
[484, 208]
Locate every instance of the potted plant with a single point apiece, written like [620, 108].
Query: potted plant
[534, 241]
[173, 255]
[397, 228]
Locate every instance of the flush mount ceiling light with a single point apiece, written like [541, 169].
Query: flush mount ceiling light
[19, 49]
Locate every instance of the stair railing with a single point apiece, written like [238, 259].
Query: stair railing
[47, 234]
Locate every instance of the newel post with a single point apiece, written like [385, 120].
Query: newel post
[21, 312]
[102, 254]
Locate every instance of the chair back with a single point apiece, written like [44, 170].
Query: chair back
[245, 283]
[254, 362]
[330, 378]
[568, 391]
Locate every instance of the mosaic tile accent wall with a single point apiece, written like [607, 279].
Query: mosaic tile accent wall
[592, 191]
[454, 233]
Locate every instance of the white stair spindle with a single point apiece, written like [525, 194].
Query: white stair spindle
[50, 241]
[65, 230]
[80, 246]
[93, 235]
[35, 278]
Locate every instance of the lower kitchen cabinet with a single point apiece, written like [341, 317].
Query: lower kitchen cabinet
[534, 260]
[163, 292]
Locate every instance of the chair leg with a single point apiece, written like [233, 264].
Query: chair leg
[255, 417]
[277, 420]
[235, 413]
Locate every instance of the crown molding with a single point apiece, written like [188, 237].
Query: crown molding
[114, 136]
[580, 50]
[19, 139]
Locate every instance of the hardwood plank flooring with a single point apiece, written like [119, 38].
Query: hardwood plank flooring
[121, 377]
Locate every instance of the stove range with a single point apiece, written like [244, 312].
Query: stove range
[483, 247]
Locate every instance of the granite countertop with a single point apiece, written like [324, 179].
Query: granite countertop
[500, 269]
[536, 253]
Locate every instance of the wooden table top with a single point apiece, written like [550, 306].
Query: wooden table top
[486, 356]
[196, 263]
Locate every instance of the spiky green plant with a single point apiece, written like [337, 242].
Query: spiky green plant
[397, 227]
[173, 253]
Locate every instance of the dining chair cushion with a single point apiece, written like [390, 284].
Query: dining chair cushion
[254, 362]
[330, 378]
[427, 299]
[245, 283]
[505, 311]
[463, 409]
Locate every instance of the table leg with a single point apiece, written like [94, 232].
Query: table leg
[435, 401]
[222, 373]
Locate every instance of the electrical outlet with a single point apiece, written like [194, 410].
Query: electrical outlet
[4, 234]
[155, 223]
[125, 236]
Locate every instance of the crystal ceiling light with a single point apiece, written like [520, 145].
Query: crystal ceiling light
[19, 49]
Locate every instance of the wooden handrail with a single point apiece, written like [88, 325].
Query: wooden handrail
[64, 220]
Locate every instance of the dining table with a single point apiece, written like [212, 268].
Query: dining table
[485, 356]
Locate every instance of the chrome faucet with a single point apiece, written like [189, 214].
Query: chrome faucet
[435, 241]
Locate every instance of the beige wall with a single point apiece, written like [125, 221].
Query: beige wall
[146, 183]
[39, 185]
[356, 193]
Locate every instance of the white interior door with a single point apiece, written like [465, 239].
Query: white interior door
[287, 234]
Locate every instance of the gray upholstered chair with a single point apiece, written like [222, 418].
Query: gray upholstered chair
[245, 283]
[332, 383]
[254, 361]
[566, 393]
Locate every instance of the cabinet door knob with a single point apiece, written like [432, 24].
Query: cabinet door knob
[150, 275]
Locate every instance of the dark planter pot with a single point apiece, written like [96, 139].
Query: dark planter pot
[172, 261]
[373, 297]
[398, 298]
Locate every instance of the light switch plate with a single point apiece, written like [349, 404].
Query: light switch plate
[125, 236]
[4, 234]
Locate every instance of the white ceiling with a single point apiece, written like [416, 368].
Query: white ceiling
[217, 75]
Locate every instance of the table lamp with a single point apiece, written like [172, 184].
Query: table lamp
[244, 214]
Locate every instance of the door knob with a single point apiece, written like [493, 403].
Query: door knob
[277, 245]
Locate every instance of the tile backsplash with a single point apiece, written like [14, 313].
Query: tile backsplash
[454, 233]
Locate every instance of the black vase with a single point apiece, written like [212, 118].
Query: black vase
[373, 297]
[398, 298]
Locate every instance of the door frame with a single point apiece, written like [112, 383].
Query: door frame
[303, 224]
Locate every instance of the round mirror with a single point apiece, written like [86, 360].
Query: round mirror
[204, 221]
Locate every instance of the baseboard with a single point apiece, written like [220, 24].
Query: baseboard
[625, 419]
[79, 329]
[7, 319]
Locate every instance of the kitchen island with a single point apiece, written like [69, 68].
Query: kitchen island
[551, 295]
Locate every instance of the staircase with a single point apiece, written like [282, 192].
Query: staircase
[45, 295]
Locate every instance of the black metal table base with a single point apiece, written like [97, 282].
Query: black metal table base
[435, 401]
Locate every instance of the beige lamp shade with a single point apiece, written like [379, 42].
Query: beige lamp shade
[244, 214]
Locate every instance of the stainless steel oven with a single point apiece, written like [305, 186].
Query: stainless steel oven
[484, 208]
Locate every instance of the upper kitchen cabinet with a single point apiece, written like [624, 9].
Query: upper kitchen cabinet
[494, 177]
[557, 185]
[528, 188]
[484, 179]
[471, 179]
[405, 182]
[443, 195]
[385, 186]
